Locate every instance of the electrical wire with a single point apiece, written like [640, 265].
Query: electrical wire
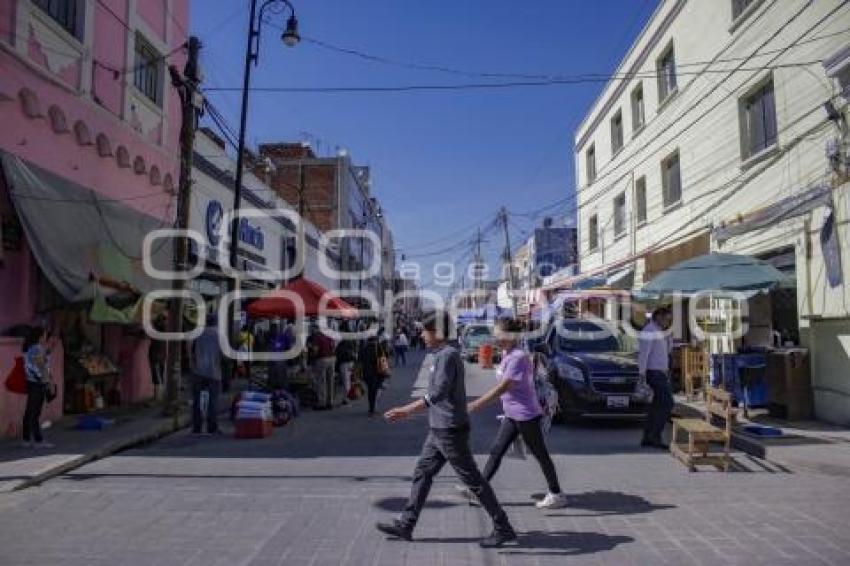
[494, 85]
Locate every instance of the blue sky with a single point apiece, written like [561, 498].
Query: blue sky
[441, 161]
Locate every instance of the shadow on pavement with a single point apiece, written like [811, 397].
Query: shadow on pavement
[602, 503]
[396, 504]
[555, 543]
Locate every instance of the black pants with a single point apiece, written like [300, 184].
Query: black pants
[213, 387]
[661, 407]
[401, 354]
[373, 385]
[32, 414]
[452, 446]
[532, 434]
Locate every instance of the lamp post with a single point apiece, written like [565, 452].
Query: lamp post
[290, 38]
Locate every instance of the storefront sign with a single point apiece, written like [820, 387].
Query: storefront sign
[248, 234]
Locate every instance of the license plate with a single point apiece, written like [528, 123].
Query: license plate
[618, 402]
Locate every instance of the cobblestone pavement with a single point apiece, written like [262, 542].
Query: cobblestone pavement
[312, 493]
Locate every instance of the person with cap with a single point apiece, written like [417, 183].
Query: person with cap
[448, 436]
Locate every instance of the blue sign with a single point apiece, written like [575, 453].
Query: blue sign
[215, 213]
[251, 235]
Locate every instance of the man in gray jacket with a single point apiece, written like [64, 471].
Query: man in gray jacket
[448, 436]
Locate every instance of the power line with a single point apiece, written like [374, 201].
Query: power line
[502, 75]
[496, 85]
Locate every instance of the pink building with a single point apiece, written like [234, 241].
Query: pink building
[89, 146]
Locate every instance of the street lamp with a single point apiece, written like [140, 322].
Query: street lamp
[290, 38]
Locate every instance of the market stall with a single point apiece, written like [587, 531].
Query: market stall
[732, 321]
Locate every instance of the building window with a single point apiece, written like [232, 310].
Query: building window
[620, 214]
[148, 70]
[638, 114]
[593, 233]
[617, 132]
[671, 180]
[666, 74]
[739, 7]
[63, 12]
[758, 120]
[591, 164]
[640, 200]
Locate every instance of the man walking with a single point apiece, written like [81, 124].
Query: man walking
[448, 437]
[654, 345]
[322, 350]
[206, 374]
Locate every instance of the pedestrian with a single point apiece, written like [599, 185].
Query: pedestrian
[400, 347]
[322, 356]
[523, 412]
[277, 367]
[157, 352]
[448, 437]
[246, 345]
[36, 349]
[372, 369]
[654, 345]
[345, 363]
[206, 377]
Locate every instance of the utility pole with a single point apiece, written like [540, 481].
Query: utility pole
[508, 258]
[191, 103]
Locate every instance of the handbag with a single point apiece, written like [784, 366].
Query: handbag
[383, 363]
[16, 380]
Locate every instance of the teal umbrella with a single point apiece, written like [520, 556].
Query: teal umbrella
[715, 272]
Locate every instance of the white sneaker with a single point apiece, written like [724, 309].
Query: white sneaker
[552, 501]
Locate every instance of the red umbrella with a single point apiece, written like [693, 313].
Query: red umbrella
[317, 301]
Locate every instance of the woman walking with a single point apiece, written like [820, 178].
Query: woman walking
[401, 345]
[36, 350]
[373, 359]
[523, 414]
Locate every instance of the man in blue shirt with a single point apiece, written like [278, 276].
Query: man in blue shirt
[448, 437]
[206, 371]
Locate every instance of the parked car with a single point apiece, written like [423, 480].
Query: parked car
[593, 370]
[473, 337]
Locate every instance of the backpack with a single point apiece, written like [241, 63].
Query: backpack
[547, 396]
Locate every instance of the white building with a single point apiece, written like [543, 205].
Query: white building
[713, 136]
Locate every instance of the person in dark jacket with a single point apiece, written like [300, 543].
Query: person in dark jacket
[370, 352]
[448, 437]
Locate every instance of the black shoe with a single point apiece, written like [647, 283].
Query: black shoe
[649, 443]
[498, 537]
[395, 529]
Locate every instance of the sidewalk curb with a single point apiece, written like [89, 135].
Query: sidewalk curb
[109, 449]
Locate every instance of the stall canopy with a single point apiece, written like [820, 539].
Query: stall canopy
[715, 272]
[279, 303]
[74, 234]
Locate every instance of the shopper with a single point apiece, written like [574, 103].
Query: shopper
[36, 348]
[371, 353]
[448, 438]
[322, 355]
[206, 377]
[400, 347]
[523, 413]
[345, 363]
[246, 345]
[654, 345]
[277, 367]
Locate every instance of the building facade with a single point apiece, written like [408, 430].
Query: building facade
[728, 133]
[335, 194]
[89, 166]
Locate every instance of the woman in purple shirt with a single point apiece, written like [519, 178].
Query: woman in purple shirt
[523, 413]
